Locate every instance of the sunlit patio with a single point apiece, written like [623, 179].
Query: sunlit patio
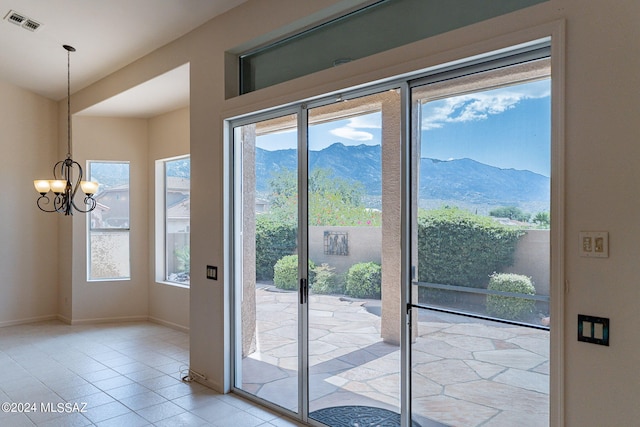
[465, 372]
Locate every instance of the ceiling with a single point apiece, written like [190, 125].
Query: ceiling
[107, 35]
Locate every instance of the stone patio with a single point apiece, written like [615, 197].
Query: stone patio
[465, 372]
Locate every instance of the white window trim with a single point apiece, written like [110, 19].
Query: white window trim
[160, 220]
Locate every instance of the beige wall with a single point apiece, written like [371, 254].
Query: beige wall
[117, 139]
[28, 237]
[532, 259]
[600, 61]
[597, 76]
[364, 245]
[168, 137]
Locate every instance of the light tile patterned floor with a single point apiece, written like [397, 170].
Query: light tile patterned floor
[127, 374]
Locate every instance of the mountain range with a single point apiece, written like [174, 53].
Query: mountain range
[462, 180]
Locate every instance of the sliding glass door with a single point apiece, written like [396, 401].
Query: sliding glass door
[354, 302]
[266, 318]
[481, 248]
[391, 250]
[317, 272]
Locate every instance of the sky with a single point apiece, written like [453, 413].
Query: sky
[508, 127]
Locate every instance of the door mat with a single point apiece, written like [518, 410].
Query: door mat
[359, 416]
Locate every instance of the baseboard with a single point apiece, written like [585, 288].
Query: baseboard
[209, 384]
[168, 324]
[69, 321]
[64, 319]
[28, 320]
[110, 320]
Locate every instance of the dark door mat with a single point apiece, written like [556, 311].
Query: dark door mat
[360, 416]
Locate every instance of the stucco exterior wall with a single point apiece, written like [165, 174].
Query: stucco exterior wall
[532, 258]
[364, 245]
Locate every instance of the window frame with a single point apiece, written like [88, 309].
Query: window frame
[120, 229]
[161, 217]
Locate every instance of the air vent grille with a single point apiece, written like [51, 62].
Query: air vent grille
[31, 25]
[22, 20]
[15, 18]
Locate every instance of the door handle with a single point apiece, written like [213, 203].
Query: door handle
[304, 291]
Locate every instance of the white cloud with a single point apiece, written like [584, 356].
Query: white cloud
[367, 121]
[480, 105]
[351, 133]
[353, 128]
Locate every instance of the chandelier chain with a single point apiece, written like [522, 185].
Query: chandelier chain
[68, 104]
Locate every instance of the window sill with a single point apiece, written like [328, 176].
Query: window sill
[177, 285]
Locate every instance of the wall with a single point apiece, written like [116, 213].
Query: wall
[117, 139]
[28, 237]
[532, 259]
[168, 137]
[364, 245]
[596, 93]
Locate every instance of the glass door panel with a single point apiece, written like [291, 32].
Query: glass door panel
[354, 306]
[481, 248]
[266, 226]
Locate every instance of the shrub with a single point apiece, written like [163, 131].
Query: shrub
[325, 281]
[364, 280]
[274, 239]
[286, 272]
[511, 308]
[456, 247]
[183, 256]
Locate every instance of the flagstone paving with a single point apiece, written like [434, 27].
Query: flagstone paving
[465, 372]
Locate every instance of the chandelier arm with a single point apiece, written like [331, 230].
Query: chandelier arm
[89, 201]
[59, 203]
[76, 185]
[58, 168]
[44, 200]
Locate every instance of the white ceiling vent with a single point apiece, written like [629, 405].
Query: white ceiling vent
[22, 20]
[31, 25]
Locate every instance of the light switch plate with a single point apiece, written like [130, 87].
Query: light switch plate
[593, 329]
[594, 244]
[212, 272]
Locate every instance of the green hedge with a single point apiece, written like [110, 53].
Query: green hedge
[285, 273]
[456, 247]
[325, 281]
[511, 308]
[364, 280]
[274, 239]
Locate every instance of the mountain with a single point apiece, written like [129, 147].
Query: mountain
[361, 163]
[478, 183]
[462, 180]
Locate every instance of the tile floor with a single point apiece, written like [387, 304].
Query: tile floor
[123, 374]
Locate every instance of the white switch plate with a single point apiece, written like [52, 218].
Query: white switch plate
[594, 244]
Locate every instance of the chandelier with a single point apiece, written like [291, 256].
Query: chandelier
[63, 185]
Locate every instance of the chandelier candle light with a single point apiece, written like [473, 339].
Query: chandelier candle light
[63, 185]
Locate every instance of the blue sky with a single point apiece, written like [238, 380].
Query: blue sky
[508, 127]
